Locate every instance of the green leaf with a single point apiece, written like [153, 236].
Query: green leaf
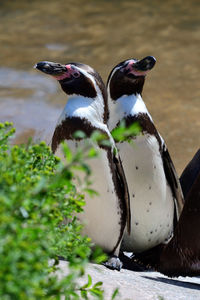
[115, 293]
[89, 280]
[88, 284]
[98, 284]
[67, 152]
[79, 134]
[84, 294]
[92, 153]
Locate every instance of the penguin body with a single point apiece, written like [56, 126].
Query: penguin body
[152, 205]
[105, 215]
[155, 193]
[181, 256]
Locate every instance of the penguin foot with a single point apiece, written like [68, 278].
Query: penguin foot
[130, 264]
[113, 263]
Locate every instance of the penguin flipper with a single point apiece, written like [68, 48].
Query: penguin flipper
[190, 173]
[124, 188]
[113, 263]
[173, 180]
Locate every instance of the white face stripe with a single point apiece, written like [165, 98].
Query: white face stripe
[86, 74]
[117, 68]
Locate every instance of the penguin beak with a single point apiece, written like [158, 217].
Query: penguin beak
[144, 64]
[51, 68]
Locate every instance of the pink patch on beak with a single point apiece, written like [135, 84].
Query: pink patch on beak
[130, 68]
[70, 73]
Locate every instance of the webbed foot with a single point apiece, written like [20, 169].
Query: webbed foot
[113, 263]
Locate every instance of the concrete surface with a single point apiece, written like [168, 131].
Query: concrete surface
[140, 285]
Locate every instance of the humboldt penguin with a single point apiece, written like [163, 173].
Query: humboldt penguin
[156, 199]
[181, 256]
[106, 215]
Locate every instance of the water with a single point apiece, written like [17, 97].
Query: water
[102, 33]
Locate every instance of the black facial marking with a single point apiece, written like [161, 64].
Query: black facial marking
[124, 83]
[82, 86]
[136, 223]
[136, 167]
[150, 203]
[149, 187]
[133, 195]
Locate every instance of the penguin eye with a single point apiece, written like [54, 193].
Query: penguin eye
[76, 74]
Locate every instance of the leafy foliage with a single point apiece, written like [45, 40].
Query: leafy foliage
[37, 195]
[123, 133]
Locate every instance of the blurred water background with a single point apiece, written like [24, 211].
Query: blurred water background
[102, 33]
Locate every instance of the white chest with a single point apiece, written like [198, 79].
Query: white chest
[102, 213]
[152, 208]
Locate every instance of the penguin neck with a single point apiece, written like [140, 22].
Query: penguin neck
[126, 106]
[80, 113]
[90, 109]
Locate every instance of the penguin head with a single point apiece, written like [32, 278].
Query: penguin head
[74, 78]
[128, 77]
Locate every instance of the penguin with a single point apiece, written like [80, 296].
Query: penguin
[156, 198]
[181, 256]
[105, 216]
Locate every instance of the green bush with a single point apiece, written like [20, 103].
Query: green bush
[36, 196]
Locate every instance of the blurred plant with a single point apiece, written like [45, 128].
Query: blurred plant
[37, 195]
[123, 133]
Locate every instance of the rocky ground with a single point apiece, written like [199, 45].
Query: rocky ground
[141, 285]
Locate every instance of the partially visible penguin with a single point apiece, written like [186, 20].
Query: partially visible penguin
[181, 256]
[106, 215]
[156, 198]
